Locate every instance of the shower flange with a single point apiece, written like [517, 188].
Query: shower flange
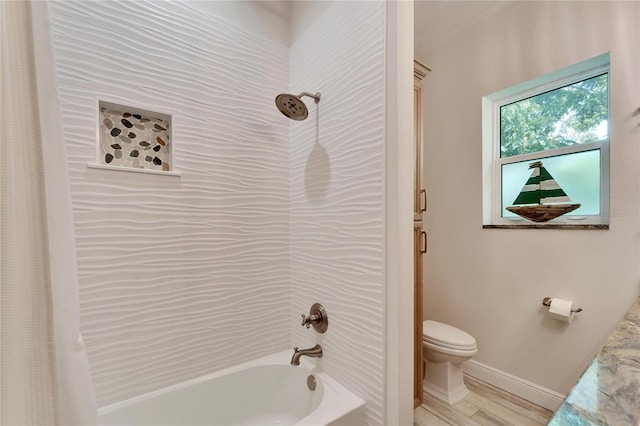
[315, 97]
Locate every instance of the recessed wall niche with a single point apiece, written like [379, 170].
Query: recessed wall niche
[134, 138]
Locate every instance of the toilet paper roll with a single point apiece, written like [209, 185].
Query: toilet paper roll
[562, 310]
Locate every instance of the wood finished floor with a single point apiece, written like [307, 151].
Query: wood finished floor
[486, 405]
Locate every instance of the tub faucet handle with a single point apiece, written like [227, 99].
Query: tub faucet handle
[308, 320]
[317, 317]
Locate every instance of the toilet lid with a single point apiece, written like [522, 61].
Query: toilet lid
[440, 334]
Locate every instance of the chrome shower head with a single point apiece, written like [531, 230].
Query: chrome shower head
[293, 107]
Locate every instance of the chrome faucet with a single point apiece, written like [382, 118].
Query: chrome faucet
[314, 352]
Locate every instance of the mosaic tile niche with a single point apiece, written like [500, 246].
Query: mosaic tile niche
[134, 138]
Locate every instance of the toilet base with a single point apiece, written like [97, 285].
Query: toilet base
[443, 381]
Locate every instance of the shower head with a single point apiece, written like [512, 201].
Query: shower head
[293, 107]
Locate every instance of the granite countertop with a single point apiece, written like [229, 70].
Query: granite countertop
[608, 393]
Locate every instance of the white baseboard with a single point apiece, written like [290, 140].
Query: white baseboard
[539, 395]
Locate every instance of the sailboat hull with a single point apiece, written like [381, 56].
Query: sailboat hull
[543, 212]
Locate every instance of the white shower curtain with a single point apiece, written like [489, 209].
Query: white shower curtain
[44, 371]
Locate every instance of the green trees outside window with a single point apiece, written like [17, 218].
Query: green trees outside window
[574, 114]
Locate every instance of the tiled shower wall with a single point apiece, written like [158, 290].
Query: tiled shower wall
[337, 198]
[173, 269]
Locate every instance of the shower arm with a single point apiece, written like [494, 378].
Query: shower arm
[315, 97]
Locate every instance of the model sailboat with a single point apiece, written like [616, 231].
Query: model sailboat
[541, 198]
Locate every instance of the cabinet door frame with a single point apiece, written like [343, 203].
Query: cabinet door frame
[419, 234]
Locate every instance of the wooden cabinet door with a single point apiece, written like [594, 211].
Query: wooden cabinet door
[419, 245]
[419, 236]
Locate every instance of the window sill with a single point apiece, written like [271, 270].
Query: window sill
[598, 227]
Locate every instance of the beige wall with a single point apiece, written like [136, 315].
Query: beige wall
[491, 282]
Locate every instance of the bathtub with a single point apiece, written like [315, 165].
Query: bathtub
[266, 391]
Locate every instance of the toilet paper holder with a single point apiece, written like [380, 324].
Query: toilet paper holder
[547, 302]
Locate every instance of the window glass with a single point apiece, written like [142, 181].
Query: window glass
[573, 114]
[577, 174]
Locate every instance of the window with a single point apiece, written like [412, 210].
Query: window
[546, 149]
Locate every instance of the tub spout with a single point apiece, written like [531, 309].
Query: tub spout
[314, 352]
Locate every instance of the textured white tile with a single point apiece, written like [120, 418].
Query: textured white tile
[172, 270]
[336, 175]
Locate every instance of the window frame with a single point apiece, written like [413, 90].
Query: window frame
[493, 162]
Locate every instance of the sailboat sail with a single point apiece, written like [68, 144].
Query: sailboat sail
[541, 188]
[541, 198]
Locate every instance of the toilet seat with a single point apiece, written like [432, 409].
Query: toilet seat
[445, 336]
[441, 351]
[441, 344]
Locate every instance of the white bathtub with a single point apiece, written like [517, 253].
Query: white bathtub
[267, 391]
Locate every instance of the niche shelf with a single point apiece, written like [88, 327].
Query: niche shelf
[134, 139]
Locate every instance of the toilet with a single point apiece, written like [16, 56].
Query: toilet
[445, 349]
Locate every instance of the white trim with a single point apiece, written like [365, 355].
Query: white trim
[131, 169]
[541, 155]
[522, 388]
[398, 216]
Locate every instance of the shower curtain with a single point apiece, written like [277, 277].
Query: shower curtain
[44, 371]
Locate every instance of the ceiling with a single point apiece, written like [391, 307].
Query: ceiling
[438, 21]
[435, 21]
